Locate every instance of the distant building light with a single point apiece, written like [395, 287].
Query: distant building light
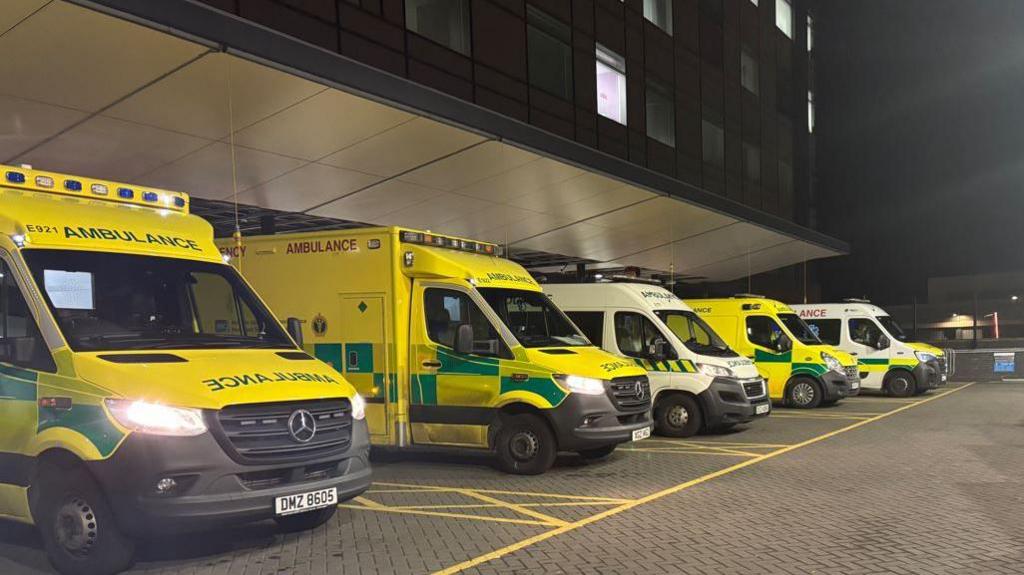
[1013, 298]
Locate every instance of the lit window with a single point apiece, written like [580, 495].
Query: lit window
[443, 21]
[784, 17]
[754, 2]
[611, 85]
[748, 70]
[714, 144]
[549, 53]
[810, 33]
[810, 112]
[661, 113]
[752, 163]
[659, 12]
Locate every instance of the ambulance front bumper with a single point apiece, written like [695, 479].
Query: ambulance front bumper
[837, 385]
[729, 401]
[212, 489]
[929, 375]
[594, 421]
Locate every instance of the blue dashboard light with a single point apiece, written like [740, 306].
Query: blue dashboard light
[73, 185]
[149, 196]
[16, 177]
[179, 202]
[126, 193]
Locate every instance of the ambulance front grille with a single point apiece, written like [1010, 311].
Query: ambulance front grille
[942, 365]
[852, 373]
[260, 432]
[631, 393]
[754, 389]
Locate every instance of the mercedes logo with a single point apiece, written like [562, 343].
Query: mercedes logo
[641, 390]
[302, 425]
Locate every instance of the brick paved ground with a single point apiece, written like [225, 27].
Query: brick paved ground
[934, 489]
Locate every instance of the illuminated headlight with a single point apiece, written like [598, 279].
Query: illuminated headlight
[580, 384]
[714, 370]
[358, 407]
[156, 419]
[924, 356]
[831, 362]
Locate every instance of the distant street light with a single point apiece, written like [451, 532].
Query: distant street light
[1013, 298]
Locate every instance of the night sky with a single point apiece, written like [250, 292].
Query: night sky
[920, 141]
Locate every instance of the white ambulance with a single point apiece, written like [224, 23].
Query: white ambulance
[887, 361]
[697, 382]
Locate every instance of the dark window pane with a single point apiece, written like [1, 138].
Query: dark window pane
[636, 336]
[21, 344]
[443, 21]
[827, 330]
[865, 332]
[591, 323]
[549, 53]
[661, 113]
[659, 12]
[446, 310]
[752, 163]
[714, 144]
[763, 331]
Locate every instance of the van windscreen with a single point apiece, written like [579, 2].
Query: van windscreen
[113, 302]
[532, 318]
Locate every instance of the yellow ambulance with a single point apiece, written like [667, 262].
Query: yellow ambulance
[452, 345]
[801, 371]
[144, 387]
[888, 361]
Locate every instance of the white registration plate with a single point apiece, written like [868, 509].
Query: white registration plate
[855, 384]
[301, 502]
[639, 434]
[943, 377]
[762, 409]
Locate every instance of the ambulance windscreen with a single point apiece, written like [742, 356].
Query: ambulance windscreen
[532, 318]
[892, 327]
[118, 302]
[695, 333]
[799, 329]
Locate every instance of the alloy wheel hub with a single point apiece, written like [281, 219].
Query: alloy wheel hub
[803, 393]
[678, 416]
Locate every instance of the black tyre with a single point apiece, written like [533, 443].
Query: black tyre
[597, 452]
[900, 383]
[804, 393]
[525, 445]
[305, 521]
[76, 524]
[677, 415]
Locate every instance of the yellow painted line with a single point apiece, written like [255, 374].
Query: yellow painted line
[449, 515]
[498, 553]
[513, 507]
[368, 502]
[433, 488]
[681, 451]
[400, 490]
[821, 416]
[490, 506]
[725, 443]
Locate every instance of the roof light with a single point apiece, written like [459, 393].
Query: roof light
[412, 237]
[19, 240]
[73, 185]
[99, 189]
[44, 182]
[16, 177]
[179, 202]
[126, 193]
[150, 196]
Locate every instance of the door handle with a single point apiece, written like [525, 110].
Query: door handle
[431, 364]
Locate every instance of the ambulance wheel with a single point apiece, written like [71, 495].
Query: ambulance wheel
[677, 415]
[525, 445]
[77, 525]
[900, 383]
[597, 452]
[804, 393]
[305, 521]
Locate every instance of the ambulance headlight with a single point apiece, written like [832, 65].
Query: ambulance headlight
[714, 370]
[925, 357]
[580, 384]
[156, 419]
[831, 362]
[358, 407]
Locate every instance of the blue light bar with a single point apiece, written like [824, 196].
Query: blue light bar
[126, 193]
[149, 196]
[179, 202]
[16, 177]
[73, 185]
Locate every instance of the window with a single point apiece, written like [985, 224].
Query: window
[748, 71]
[661, 113]
[763, 331]
[784, 17]
[695, 334]
[714, 144]
[827, 330]
[549, 53]
[810, 33]
[611, 85]
[799, 328]
[865, 332]
[591, 323]
[892, 327]
[446, 310]
[443, 21]
[636, 337]
[21, 344]
[810, 112]
[532, 318]
[659, 12]
[785, 180]
[752, 163]
[106, 302]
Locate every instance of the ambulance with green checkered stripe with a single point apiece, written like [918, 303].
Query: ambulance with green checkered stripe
[888, 361]
[801, 371]
[698, 383]
[144, 386]
[452, 345]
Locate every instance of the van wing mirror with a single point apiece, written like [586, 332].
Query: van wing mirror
[883, 342]
[657, 349]
[784, 343]
[295, 330]
[464, 339]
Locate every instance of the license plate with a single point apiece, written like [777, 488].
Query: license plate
[639, 434]
[943, 377]
[301, 502]
[762, 409]
[855, 384]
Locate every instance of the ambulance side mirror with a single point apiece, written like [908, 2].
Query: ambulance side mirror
[295, 330]
[883, 342]
[657, 349]
[784, 344]
[464, 339]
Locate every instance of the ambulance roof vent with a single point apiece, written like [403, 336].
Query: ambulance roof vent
[856, 300]
[25, 178]
[749, 295]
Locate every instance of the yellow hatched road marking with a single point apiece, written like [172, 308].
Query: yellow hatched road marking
[488, 506]
[385, 509]
[682, 451]
[498, 553]
[503, 492]
[825, 416]
[514, 507]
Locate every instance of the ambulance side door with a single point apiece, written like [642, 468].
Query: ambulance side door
[636, 336]
[773, 360]
[864, 337]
